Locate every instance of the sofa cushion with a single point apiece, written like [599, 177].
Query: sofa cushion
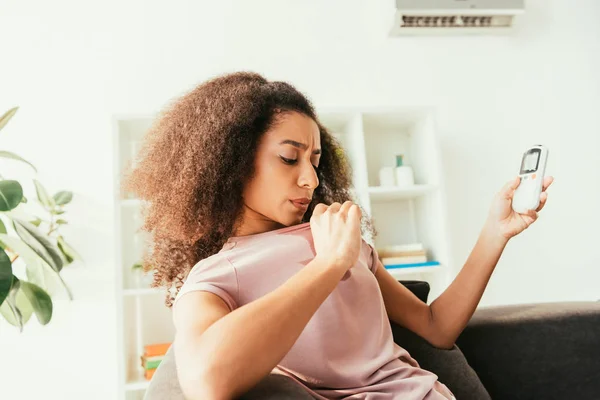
[418, 288]
[547, 350]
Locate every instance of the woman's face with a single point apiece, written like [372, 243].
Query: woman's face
[285, 177]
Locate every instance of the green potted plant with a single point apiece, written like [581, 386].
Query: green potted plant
[33, 252]
[142, 278]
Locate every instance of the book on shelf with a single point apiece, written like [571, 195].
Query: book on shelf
[404, 254]
[404, 260]
[149, 373]
[156, 349]
[151, 362]
[152, 357]
[412, 265]
[406, 248]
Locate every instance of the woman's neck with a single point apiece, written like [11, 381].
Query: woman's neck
[254, 223]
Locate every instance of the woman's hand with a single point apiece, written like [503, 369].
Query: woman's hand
[503, 220]
[336, 233]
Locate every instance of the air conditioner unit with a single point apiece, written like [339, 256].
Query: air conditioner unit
[416, 17]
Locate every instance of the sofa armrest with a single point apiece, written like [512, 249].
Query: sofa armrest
[536, 351]
[165, 385]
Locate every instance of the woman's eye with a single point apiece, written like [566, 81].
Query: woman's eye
[291, 161]
[288, 161]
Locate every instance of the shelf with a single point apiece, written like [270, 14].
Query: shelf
[131, 202]
[403, 272]
[390, 193]
[142, 291]
[137, 385]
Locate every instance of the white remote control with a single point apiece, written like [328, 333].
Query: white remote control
[533, 167]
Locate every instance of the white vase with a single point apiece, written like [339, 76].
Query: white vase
[404, 173]
[386, 176]
[404, 176]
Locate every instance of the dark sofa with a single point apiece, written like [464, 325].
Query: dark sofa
[531, 351]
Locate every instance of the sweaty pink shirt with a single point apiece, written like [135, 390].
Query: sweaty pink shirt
[346, 351]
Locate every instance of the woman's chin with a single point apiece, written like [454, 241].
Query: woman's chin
[293, 219]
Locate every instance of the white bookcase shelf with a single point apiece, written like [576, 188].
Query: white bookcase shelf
[137, 385]
[387, 193]
[403, 273]
[143, 292]
[371, 139]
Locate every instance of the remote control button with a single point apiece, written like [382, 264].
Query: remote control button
[533, 176]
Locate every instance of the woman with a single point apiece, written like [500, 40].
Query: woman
[253, 224]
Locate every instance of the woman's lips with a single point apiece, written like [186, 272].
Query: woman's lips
[300, 204]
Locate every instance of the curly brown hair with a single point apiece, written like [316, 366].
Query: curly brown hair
[194, 163]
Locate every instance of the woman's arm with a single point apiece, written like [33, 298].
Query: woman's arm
[239, 349]
[222, 357]
[453, 309]
[442, 322]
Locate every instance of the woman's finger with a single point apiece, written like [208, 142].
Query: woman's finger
[354, 217]
[543, 198]
[319, 209]
[533, 215]
[509, 188]
[335, 207]
[345, 207]
[547, 182]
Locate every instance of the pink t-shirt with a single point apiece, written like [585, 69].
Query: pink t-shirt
[346, 351]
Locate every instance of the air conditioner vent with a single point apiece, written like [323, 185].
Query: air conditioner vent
[456, 21]
[438, 17]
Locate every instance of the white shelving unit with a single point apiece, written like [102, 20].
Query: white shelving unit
[143, 317]
[417, 214]
[371, 139]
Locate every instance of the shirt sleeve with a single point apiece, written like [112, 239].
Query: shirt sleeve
[215, 275]
[372, 257]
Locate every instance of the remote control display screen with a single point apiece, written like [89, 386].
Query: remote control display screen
[530, 161]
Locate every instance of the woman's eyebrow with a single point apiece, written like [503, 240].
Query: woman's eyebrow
[299, 145]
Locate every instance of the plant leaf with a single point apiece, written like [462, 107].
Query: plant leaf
[7, 116]
[63, 197]
[43, 196]
[5, 275]
[69, 252]
[16, 309]
[37, 221]
[16, 245]
[13, 156]
[40, 301]
[10, 313]
[61, 222]
[24, 199]
[11, 194]
[2, 227]
[39, 242]
[38, 271]
[137, 265]
[57, 212]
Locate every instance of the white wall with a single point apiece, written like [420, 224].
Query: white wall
[70, 65]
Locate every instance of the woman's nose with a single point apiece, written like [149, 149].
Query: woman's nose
[308, 177]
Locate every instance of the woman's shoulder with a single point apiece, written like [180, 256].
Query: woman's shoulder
[257, 238]
[217, 261]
